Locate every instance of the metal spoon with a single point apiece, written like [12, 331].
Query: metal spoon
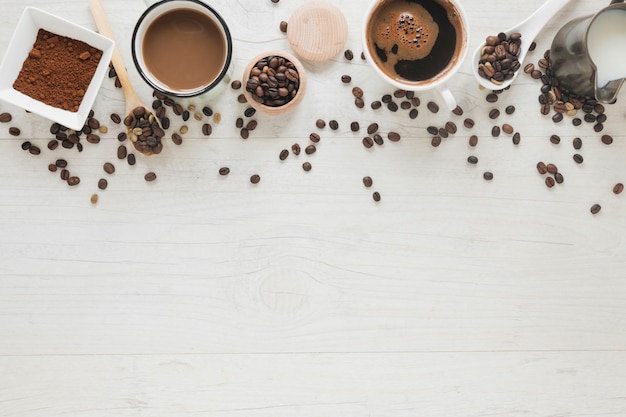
[144, 128]
[529, 30]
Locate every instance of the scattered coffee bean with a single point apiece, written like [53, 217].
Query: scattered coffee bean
[241, 98]
[495, 131]
[507, 128]
[578, 158]
[433, 107]
[595, 209]
[320, 123]
[435, 141]
[606, 139]
[102, 184]
[309, 150]
[207, 129]
[235, 84]
[549, 182]
[34, 150]
[557, 117]
[93, 138]
[150, 176]
[558, 177]
[177, 139]
[472, 159]
[359, 103]
[432, 130]
[367, 181]
[488, 175]
[494, 113]
[5, 117]
[108, 167]
[387, 98]
[577, 143]
[458, 111]
[52, 168]
[314, 137]
[376, 105]
[346, 79]
[131, 159]
[577, 121]
[368, 142]
[207, 111]
[618, 188]
[393, 106]
[413, 113]
[376, 196]
[354, 126]
[468, 123]
[306, 166]
[255, 178]
[65, 174]
[451, 127]
[239, 122]
[53, 144]
[283, 154]
[372, 128]
[542, 168]
[378, 140]
[552, 169]
[251, 125]
[122, 152]
[94, 198]
[295, 148]
[491, 98]
[333, 124]
[249, 112]
[357, 92]
[509, 109]
[516, 138]
[224, 171]
[555, 139]
[244, 133]
[598, 127]
[393, 136]
[473, 140]
[14, 131]
[73, 181]
[348, 54]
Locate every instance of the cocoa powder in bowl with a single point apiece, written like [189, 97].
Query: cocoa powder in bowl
[58, 70]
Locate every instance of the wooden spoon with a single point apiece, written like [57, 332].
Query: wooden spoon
[144, 128]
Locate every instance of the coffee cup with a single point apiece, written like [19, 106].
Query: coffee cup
[417, 45]
[182, 48]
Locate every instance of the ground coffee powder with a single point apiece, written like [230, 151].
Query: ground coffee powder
[58, 70]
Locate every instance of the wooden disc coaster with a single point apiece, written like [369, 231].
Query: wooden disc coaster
[317, 31]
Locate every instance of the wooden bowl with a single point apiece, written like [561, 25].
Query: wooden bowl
[275, 110]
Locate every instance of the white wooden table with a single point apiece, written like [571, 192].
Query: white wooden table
[201, 295]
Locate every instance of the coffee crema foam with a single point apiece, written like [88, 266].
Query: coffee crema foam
[415, 40]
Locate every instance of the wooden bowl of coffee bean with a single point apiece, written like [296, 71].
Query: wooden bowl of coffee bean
[274, 82]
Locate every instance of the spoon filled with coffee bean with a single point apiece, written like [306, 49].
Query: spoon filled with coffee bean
[143, 127]
[496, 62]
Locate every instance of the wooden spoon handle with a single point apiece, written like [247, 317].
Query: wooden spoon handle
[102, 23]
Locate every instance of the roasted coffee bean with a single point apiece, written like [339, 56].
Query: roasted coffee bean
[103, 184]
[432, 130]
[93, 138]
[413, 113]
[536, 74]
[283, 26]
[399, 93]
[376, 196]
[405, 105]
[251, 125]
[435, 141]
[393, 136]
[295, 148]
[122, 152]
[359, 103]
[207, 129]
[491, 98]
[618, 188]
[72, 181]
[235, 84]
[516, 138]
[552, 169]
[495, 131]
[283, 154]
[354, 126]
[509, 109]
[555, 139]
[433, 107]
[472, 159]
[368, 142]
[255, 178]
[34, 150]
[507, 128]
[542, 168]
[468, 123]
[387, 98]
[578, 158]
[150, 176]
[14, 131]
[177, 139]
[242, 99]
[601, 118]
[53, 144]
[458, 111]
[473, 140]
[131, 159]
[357, 92]
[314, 137]
[367, 181]
[333, 124]
[346, 79]
[306, 166]
[108, 167]
[488, 176]
[309, 150]
[576, 121]
[606, 139]
[378, 139]
[372, 128]
[122, 136]
[451, 127]
[494, 113]
[52, 168]
[376, 105]
[239, 123]
[557, 117]
[348, 54]
[244, 133]
[93, 123]
[5, 117]
[598, 127]
[249, 112]
[392, 106]
[65, 174]
[529, 68]
[577, 143]
[545, 109]
[550, 182]
[224, 171]
[320, 123]
[595, 209]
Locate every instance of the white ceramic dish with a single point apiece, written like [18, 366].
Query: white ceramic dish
[21, 43]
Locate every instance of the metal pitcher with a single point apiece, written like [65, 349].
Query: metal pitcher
[572, 56]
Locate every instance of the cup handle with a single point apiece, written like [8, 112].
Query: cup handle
[447, 96]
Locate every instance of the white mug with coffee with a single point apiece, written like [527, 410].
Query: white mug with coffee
[416, 45]
[182, 48]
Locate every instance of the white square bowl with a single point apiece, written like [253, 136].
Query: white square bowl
[22, 42]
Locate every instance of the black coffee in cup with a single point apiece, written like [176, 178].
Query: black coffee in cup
[415, 41]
